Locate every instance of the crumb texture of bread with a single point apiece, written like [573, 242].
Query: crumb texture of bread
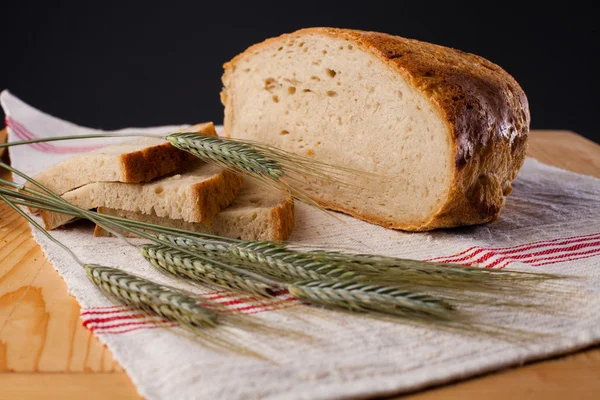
[257, 213]
[132, 161]
[195, 194]
[445, 130]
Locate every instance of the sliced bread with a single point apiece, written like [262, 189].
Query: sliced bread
[132, 161]
[446, 130]
[195, 194]
[257, 213]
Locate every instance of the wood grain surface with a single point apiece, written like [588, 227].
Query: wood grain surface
[45, 352]
[3, 135]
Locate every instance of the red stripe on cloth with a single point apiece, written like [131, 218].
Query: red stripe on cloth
[24, 136]
[111, 319]
[531, 257]
[516, 249]
[133, 323]
[62, 149]
[21, 131]
[492, 252]
[565, 257]
[123, 310]
[582, 257]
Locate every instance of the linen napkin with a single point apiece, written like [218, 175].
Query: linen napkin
[551, 223]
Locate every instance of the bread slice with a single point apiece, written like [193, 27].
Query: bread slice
[446, 130]
[133, 161]
[257, 213]
[196, 194]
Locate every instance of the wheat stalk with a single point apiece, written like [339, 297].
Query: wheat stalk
[278, 168]
[183, 265]
[281, 262]
[152, 298]
[241, 156]
[313, 276]
[332, 293]
[136, 292]
[363, 298]
[269, 164]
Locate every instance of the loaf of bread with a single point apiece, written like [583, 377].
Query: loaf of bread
[445, 130]
[257, 213]
[196, 194]
[132, 161]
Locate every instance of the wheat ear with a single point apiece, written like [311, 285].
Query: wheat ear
[136, 292]
[183, 265]
[150, 297]
[228, 153]
[275, 167]
[359, 297]
[281, 262]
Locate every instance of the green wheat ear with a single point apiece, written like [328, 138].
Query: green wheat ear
[332, 279]
[269, 164]
[182, 265]
[152, 298]
[227, 153]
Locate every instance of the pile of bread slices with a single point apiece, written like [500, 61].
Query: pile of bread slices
[149, 180]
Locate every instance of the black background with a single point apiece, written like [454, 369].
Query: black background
[143, 64]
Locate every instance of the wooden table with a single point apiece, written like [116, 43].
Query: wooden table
[46, 352]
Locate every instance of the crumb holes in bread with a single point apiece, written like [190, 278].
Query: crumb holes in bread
[158, 189]
[330, 72]
[307, 91]
[284, 132]
[291, 90]
[331, 93]
[276, 99]
[314, 78]
[270, 84]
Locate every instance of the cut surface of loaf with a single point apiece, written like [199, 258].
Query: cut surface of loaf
[138, 160]
[257, 213]
[445, 130]
[195, 194]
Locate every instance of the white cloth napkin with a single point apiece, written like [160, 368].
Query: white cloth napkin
[551, 223]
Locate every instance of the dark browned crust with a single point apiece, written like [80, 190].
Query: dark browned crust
[153, 162]
[214, 194]
[3, 138]
[282, 220]
[486, 112]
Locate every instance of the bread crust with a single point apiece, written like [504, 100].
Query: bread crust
[485, 111]
[281, 222]
[152, 162]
